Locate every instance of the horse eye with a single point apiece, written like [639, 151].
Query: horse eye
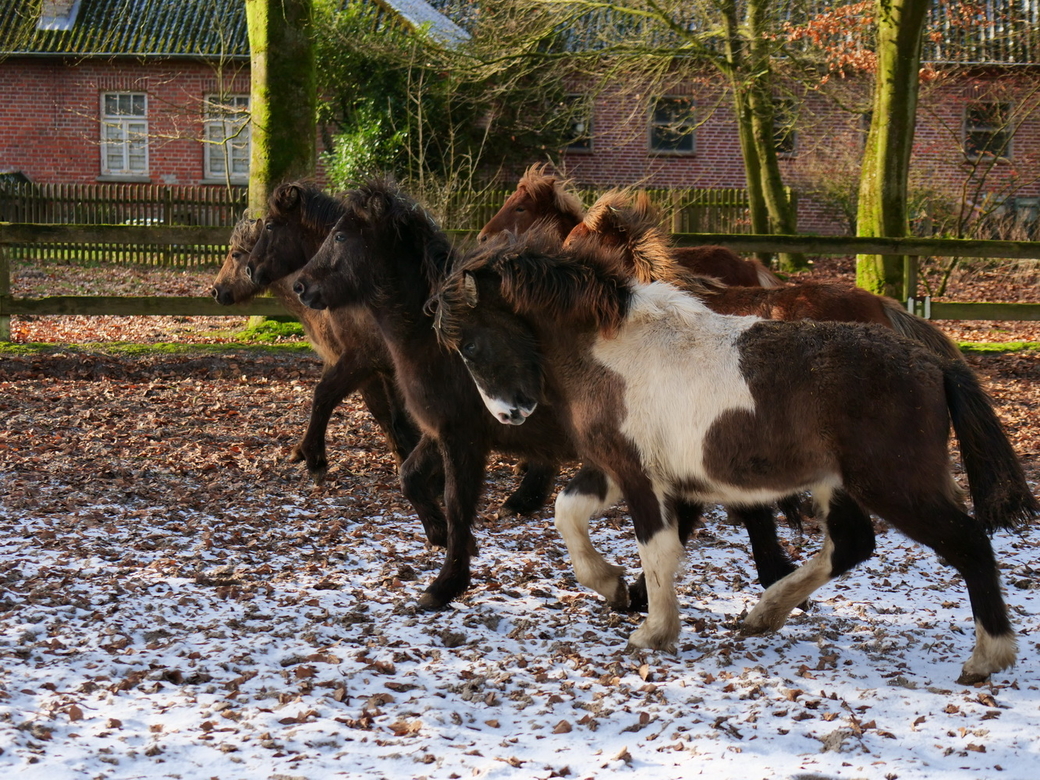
[519, 209]
[268, 226]
[340, 237]
[469, 349]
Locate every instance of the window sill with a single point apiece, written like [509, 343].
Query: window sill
[670, 153]
[125, 179]
[225, 182]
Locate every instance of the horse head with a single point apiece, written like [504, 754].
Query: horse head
[383, 246]
[299, 216]
[232, 285]
[626, 230]
[500, 303]
[539, 197]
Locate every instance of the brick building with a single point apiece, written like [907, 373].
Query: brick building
[117, 91]
[158, 92]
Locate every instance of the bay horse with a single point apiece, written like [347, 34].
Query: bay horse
[385, 254]
[299, 217]
[631, 226]
[672, 400]
[547, 200]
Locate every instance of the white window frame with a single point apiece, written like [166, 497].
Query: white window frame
[124, 134]
[976, 127]
[688, 123]
[580, 110]
[226, 138]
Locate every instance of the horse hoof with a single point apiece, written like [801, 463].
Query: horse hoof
[514, 507]
[431, 603]
[318, 475]
[642, 639]
[971, 678]
[297, 454]
[637, 598]
[620, 600]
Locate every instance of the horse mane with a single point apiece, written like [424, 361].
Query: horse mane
[381, 205]
[540, 185]
[644, 250]
[245, 233]
[537, 279]
[306, 202]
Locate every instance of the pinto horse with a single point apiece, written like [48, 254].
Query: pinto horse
[630, 226]
[546, 200]
[299, 217]
[672, 400]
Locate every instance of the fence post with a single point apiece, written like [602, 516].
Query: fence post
[5, 292]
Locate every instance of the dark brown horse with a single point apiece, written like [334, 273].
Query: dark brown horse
[631, 227]
[300, 216]
[672, 400]
[547, 200]
[386, 256]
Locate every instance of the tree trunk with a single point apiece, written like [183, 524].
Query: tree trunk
[883, 191]
[283, 98]
[751, 80]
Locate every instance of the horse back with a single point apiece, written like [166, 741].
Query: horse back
[726, 266]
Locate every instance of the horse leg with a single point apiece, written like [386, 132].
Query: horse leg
[336, 383]
[660, 553]
[422, 480]
[688, 518]
[463, 482]
[770, 559]
[848, 539]
[961, 541]
[590, 492]
[533, 491]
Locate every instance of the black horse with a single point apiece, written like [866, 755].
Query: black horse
[299, 217]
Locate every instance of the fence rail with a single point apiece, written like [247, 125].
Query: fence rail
[16, 235]
[687, 210]
[123, 204]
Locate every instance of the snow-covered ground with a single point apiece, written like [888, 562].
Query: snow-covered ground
[151, 641]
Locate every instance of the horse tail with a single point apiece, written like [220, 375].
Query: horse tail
[766, 278]
[920, 330]
[995, 478]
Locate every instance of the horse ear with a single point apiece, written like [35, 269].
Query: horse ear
[288, 196]
[469, 287]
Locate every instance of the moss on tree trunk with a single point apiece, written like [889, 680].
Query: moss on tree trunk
[886, 160]
[284, 96]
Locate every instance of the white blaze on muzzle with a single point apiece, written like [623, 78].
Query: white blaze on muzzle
[505, 412]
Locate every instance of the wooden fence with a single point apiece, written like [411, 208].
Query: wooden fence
[17, 235]
[687, 211]
[123, 204]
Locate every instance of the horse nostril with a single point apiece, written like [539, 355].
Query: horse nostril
[481, 239]
[214, 293]
[298, 288]
[249, 272]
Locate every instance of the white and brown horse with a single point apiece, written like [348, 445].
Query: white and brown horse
[673, 401]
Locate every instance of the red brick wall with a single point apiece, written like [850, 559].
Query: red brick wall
[49, 118]
[829, 146]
